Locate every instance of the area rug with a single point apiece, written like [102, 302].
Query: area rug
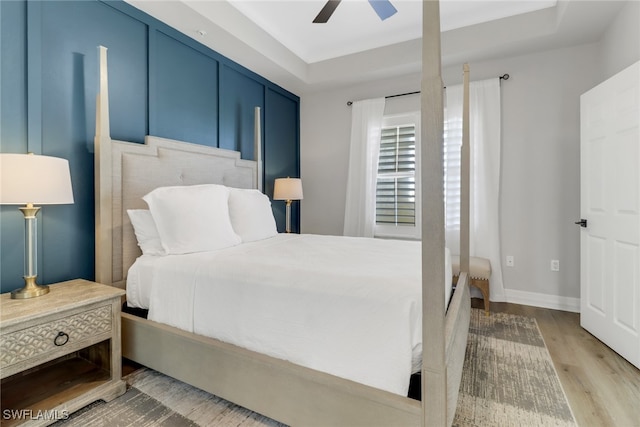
[508, 380]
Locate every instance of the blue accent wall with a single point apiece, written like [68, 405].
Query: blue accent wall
[181, 109]
[161, 83]
[280, 112]
[13, 130]
[239, 95]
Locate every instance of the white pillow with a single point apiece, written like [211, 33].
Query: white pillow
[146, 232]
[192, 218]
[251, 215]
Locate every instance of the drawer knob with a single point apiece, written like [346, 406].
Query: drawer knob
[61, 339]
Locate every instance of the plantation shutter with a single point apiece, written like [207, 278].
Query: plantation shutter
[396, 182]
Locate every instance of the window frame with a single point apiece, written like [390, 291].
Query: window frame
[404, 231]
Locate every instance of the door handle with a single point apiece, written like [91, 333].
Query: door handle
[581, 223]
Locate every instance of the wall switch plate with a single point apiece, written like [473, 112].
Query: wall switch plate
[510, 261]
[555, 265]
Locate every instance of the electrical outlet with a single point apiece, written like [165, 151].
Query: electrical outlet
[555, 265]
[510, 261]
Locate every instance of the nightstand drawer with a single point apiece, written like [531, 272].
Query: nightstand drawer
[54, 336]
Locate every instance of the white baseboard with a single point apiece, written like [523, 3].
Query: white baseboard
[554, 302]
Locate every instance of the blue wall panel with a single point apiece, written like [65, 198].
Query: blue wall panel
[282, 149]
[161, 82]
[71, 33]
[185, 92]
[13, 85]
[13, 130]
[239, 95]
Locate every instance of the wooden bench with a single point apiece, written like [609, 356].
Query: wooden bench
[479, 274]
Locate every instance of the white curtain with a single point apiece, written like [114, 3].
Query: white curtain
[366, 122]
[485, 137]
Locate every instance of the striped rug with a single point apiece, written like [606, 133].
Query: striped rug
[508, 377]
[508, 380]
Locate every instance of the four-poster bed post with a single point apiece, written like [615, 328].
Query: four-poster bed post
[434, 384]
[257, 147]
[465, 175]
[102, 166]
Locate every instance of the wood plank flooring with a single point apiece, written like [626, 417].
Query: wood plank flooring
[603, 389]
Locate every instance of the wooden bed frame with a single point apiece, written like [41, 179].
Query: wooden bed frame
[286, 392]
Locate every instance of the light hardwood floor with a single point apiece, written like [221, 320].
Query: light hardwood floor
[603, 389]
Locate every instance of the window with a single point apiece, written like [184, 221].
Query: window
[452, 158]
[397, 186]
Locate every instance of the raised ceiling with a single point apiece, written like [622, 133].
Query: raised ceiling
[355, 26]
[277, 39]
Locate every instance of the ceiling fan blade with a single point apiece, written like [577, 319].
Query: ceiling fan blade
[383, 8]
[326, 12]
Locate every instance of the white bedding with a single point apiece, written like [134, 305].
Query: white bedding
[346, 306]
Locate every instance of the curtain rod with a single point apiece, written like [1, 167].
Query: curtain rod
[349, 103]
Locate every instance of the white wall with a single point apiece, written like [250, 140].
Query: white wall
[620, 46]
[540, 163]
[540, 176]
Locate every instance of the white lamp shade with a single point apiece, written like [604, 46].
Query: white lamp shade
[287, 189]
[30, 178]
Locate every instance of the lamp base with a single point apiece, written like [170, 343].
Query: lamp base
[288, 216]
[30, 290]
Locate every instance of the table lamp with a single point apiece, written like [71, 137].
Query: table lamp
[288, 189]
[28, 179]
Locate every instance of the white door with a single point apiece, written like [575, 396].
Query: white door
[610, 203]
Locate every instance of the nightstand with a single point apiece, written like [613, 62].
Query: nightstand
[59, 352]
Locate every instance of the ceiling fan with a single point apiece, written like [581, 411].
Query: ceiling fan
[383, 8]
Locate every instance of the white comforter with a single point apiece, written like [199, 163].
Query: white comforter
[346, 306]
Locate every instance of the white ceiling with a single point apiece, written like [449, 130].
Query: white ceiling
[277, 39]
[355, 26]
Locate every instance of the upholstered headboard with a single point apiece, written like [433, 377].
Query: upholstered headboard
[126, 171]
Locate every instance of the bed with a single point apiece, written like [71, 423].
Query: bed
[273, 386]
[340, 305]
